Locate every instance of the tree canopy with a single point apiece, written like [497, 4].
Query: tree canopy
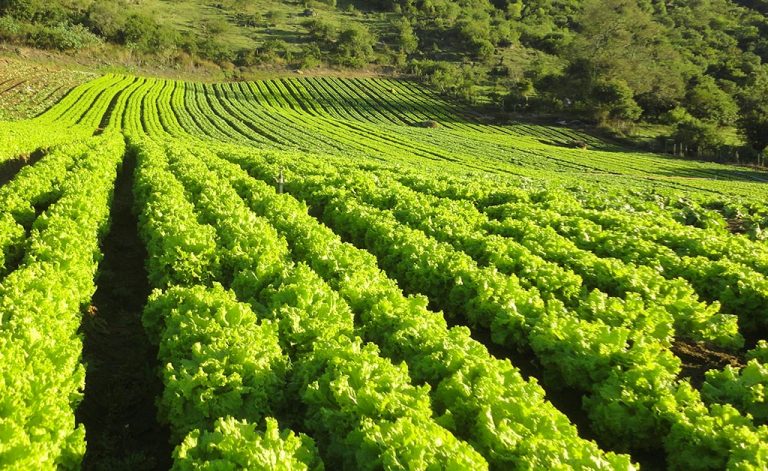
[612, 62]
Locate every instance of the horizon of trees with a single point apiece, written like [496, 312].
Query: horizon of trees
[696, 67]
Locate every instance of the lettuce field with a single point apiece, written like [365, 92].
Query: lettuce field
[320, 273]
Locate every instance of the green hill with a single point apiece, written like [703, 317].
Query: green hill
[689, 72]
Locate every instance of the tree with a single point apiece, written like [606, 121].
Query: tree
[753, 119]
[475, 36]
[706, 101]
[354, 46]
[753, 122]
[619, 41]
[519, 95]
[697, 136]
[759, 5]
[449, 78]
[613, 101]
[407, 41]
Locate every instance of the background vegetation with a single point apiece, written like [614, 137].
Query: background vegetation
[684, 74]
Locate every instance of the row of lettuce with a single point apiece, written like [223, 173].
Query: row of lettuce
[78, 115]
[371, 118]
[565, 244]
[343, 120]
[377, 379]
[58, 211]
[421, 395]
[331, 115]
[615, 351]
[54, 215]
[722, 424]
[551, 262]
[233, 311]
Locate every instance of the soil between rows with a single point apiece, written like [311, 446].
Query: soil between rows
[118, 410]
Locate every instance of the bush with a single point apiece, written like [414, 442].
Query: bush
[247, 58]
[708, 102]
[697, 135]
[274, 17]
[449, 78]
[146, 34]
[248, 19]
[35, 11]
[273, 50]
[11, 30]
[519, 96]
[107, 19]
[482, 49]
[354, 47]
[311, 57]
[503, 35]
[210, 49]
[320, 31]
[65, 37]
[214, 26]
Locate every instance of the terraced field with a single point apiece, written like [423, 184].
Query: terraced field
[27, 90]
[358, 274]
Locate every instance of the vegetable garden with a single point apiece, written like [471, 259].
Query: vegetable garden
[299, 274]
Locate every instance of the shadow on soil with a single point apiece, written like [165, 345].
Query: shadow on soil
[10, 168]
[118, 409]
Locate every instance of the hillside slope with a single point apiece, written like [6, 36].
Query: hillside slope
[691, 73]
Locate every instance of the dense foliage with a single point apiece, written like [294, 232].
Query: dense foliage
[695, 67]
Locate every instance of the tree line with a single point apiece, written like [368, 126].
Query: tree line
[696, 68]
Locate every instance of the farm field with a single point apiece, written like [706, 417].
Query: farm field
[27, 90]
[313, 273]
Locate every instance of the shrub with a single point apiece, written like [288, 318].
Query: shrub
[65, 37]
[11, 29]
[147, 35]
[707, 101]
[354, 47]
[210, 49]
[697, 135]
